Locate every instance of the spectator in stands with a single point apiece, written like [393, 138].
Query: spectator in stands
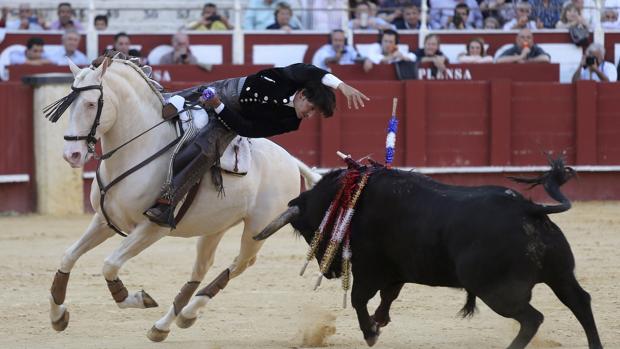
[523, 19]
[122, 41]
[524, 50]
[570, 17]
[475, 53]
[546, 12]
[442, 11]
[101, 22]
[65, 18]
[587, 9]
[609, 18]
[210, 20]
[181, 53]
[364, 20]
[282, 17]
[491, 8]
[386, 51]
[27, 20]
[459, 19]
[70, 42]
[33, 55]
[410, 18]
[336, 51]
[594, 67]
[393, 10]
[491, 23]
[259, 13]
[431, 53]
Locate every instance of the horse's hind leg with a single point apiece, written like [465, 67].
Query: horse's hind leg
[577, 300]
[96, 233]
[205, 254]
[143, 236]
[247, 257]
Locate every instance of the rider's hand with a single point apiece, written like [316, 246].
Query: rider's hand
[212, 103]
[352, 95]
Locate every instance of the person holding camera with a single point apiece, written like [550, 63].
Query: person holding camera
[336, 51]
[180, 51]
[210, 20]
[594, 67]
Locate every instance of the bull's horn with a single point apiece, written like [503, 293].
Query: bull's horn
[278, 223]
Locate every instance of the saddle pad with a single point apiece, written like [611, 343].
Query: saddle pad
[237, 156]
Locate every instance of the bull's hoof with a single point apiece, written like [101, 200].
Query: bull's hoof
[62, 323]
[373, 336]
[148, 301]
[184, 322]
[157, 335]
[372, 340]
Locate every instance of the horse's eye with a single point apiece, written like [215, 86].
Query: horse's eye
[91, 105]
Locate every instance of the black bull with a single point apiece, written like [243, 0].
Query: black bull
[488, 240]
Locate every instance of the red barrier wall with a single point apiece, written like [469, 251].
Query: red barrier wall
[16, 142]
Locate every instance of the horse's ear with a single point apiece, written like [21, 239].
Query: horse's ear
[74, 68]
[104, 66]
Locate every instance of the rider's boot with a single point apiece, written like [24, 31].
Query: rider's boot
[190, 165]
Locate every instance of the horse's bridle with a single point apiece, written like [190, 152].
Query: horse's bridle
[55, 110]
[90, 138]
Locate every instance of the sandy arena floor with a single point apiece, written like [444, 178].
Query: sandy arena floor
[270, 306]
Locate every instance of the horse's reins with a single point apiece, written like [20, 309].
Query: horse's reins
[54, 111]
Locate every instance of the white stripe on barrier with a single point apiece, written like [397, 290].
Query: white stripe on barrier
[16, 178]
[464, 169]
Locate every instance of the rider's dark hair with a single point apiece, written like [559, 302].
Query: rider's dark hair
[321, 96]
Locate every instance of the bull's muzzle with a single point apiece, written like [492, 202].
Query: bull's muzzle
[282, 220]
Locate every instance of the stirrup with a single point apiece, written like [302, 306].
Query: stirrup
[162, 215]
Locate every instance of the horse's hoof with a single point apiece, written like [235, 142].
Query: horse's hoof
[184, 322]
[157, 335]
[148, 301]
[62, 323]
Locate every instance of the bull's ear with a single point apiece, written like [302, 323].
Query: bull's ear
[74, 68]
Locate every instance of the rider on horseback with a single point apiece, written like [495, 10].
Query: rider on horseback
[270, 102]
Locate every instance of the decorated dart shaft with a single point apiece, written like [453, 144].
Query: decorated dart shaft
[390, 141]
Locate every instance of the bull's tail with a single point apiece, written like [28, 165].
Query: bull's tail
[310, 177]
[469, 308]
[551, 180]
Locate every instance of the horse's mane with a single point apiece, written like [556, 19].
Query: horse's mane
[144, 71]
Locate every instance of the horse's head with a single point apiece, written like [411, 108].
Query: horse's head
[87, 118]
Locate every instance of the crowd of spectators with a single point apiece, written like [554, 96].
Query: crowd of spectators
[384, 16]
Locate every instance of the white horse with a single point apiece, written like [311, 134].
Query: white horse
[131, 105]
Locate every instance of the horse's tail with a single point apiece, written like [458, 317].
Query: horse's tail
[551, 180]
[310, 177]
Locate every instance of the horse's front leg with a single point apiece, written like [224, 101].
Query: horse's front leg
[143, 236]
[96, 233]
[205, 254]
